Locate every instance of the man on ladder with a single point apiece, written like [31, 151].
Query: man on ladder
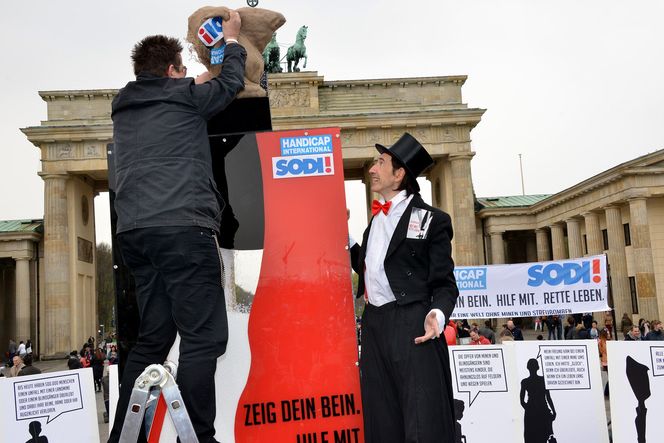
[168, 217]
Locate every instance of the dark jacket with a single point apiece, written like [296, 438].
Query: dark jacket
[655, 335]
[73, 362]
[630, 337]
[29, 370]
[417, 269]
[163, 166]
[517, 334]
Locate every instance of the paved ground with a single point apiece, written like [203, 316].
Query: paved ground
[61, 365]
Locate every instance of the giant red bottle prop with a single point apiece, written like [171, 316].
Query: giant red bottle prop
[303, 385]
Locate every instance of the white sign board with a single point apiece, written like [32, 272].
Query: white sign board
[532, 289]
[484, 404]
[636, 387]
[560, 390]
[230, 378]
[56, 405]
[528, 391]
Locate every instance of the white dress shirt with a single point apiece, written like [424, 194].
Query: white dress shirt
[377, 286]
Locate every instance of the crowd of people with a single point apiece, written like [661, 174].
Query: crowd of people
[19, 360]
[643, 330]
[574, 327]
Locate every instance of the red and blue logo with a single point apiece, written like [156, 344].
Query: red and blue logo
[569, 273]
[304, 156]
[210, 31]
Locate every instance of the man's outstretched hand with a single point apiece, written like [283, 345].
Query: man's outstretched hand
[431, 329]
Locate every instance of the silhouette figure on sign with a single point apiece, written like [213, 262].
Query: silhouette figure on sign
[637, 374]
[539, 412]
[34, 428]
[459, 407]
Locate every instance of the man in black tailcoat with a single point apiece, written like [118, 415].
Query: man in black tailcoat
[406, 277]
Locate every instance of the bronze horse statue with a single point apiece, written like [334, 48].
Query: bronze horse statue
[271, 56]
[297, 51]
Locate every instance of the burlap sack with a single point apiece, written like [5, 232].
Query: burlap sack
[258, 25]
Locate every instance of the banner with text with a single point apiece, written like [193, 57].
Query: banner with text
[532, 289]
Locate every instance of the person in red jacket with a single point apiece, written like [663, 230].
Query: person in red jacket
[477, 339]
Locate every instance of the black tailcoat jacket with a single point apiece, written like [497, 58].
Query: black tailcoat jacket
[417, 269]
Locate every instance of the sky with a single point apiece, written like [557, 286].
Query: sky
[574, 86]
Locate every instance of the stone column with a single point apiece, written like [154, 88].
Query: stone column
[464, 210]
[558, 241]
[618, 263]
[644, 269]
[574, 240]
[595, 247]
[543, 248]
[56, 297]
[593, 233]
[531, 250]
[22, 298]
[497, 248]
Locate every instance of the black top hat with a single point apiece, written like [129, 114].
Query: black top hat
[411, 154]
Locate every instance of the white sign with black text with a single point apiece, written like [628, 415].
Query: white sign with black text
[58, 406]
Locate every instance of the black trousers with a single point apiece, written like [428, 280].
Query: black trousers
[178, 289]
[406, 388]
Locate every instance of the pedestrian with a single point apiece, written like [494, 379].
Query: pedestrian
[477, 339]
[487, 331]
[608, 322]
[538, 324]
[656, 334]
[74, 361]
[168, 216]
[570, 329]
[625, 324]
[634, 334]
[603, 356]
[28, 369]
[550, 328]
[594, 332]
[581, 332]
[516, 331]
[16, 367]
[558, 326]
[97, 364]
[406, 275]
[11, 351]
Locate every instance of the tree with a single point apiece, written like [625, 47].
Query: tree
[105, 286]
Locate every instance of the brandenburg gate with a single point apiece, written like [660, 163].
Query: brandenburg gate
[73, 143]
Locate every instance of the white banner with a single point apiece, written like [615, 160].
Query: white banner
[532, 289]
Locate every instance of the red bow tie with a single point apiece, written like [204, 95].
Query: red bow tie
[376, 207]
